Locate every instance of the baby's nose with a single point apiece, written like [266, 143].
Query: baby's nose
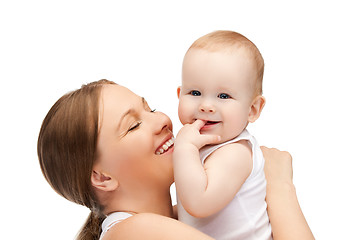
[207, 108]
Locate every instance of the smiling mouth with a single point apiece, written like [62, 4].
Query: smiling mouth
[165, 147]
[211, 122]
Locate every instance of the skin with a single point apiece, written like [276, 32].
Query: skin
[216, 99]
[285, 214]
[129, 175]
[127, 169]
[150, 201]
[219, 86]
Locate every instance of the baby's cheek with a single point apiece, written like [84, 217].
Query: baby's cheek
[238, 122]
[184, 112]
[180, 111]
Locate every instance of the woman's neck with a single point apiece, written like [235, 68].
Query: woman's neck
[140, 202]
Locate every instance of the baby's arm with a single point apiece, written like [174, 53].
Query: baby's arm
[204, 190]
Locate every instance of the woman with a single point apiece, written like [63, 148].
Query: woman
[102, 147]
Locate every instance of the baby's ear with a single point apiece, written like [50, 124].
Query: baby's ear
[256, 108]
[103, 181]
[178, 91]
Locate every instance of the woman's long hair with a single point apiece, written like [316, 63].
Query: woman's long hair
[67, 150]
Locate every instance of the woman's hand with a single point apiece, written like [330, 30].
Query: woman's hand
[278, 166]
[285, 215]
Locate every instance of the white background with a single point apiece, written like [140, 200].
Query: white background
[48, 48]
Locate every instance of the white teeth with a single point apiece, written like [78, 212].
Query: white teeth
[165, 146]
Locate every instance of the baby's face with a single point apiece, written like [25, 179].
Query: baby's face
[217, 87]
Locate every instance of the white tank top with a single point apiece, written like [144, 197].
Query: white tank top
[111, 220]
[245, 217]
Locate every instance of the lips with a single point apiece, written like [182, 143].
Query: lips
[165, 146]
[210, 124]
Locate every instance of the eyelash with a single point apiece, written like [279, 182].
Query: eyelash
[226, 96]
[138, 123]
[135, 126]
[196, 93]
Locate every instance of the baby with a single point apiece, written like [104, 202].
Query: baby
[218, 165]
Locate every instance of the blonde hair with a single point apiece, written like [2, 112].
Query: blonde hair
[222, 40]
[67, 151]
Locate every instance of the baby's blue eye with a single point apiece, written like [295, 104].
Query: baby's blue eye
[223, 96]
[195, 93]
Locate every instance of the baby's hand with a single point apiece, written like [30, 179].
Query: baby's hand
[190, 134]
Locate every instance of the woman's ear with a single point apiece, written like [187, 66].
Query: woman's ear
[256, 108]
[178, 91]
[103, 181]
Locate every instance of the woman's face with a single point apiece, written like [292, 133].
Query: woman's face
[131, 140]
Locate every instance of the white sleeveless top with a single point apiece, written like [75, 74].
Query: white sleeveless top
[245, 217]
[111, 220]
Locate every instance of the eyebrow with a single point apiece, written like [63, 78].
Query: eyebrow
[128, 112]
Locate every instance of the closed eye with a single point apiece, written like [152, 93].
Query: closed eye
[135, 126]
[146, 106]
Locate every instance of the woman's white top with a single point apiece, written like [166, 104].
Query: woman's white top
[111, 220]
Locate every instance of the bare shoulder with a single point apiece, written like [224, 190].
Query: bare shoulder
[242, 146]
[152, 226]
[235, 152]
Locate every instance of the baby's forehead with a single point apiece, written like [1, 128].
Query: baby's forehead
[237, 50]
[228, 51]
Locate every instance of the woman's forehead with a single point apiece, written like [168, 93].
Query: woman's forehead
[116, 100]
[118, 95]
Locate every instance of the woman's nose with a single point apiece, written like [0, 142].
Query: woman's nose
[161, 122]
